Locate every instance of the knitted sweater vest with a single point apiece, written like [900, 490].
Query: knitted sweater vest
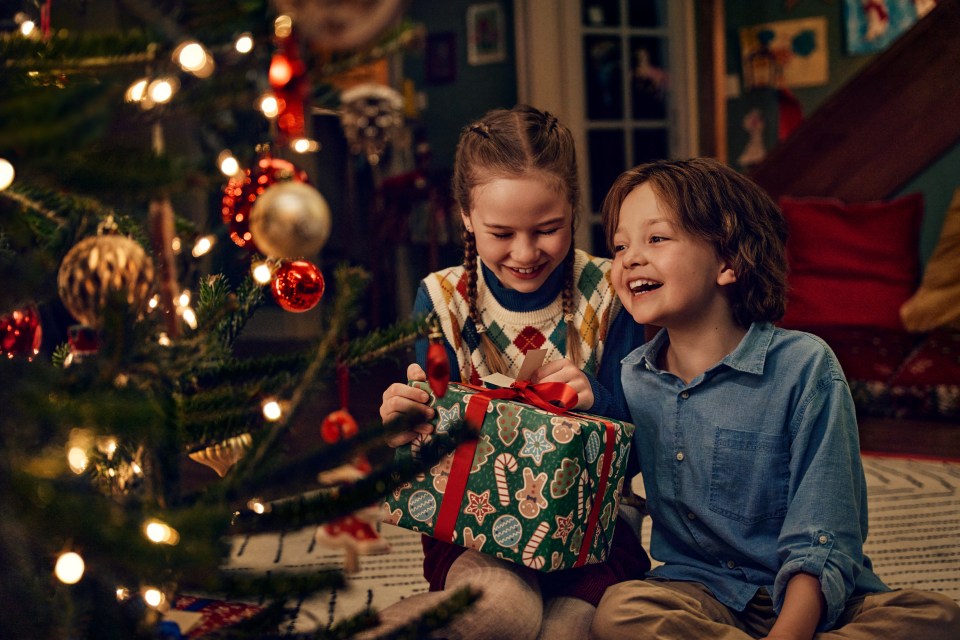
[516, 332]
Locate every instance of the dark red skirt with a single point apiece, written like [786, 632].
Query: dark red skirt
[627, 561]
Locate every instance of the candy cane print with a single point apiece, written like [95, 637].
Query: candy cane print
[503, 463]
[581, 497]
[533, 544]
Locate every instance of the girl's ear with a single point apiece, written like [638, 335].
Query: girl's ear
[466, 221]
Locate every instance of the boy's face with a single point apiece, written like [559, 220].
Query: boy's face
[662, 274]
[523, 228]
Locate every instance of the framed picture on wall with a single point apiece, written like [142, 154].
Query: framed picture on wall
[790, 53]
[486, 35]
[871, 25]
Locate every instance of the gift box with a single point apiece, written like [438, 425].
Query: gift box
[539, 486]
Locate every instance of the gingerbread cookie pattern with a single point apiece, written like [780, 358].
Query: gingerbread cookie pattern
[531, 495]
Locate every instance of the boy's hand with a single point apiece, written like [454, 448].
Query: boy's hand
[402, 399]
[566, 371]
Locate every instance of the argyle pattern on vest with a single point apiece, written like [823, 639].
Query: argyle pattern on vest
[517, 332]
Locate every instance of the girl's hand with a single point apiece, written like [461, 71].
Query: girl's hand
[566, 371]
[402, 399]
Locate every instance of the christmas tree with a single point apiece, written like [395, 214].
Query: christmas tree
[135, 248]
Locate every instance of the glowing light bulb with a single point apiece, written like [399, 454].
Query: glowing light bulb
[269, 106]
[272, 410]
[191, 56]
[262, 273]
[203, 245]
[283, 26]
[6, 174]
[184, 299]
[161, 90]
[153, 596]
[160, 532]
[190, 317]
[77, 460]
[137, 91]
[304, 145]
[27, 27]
[229, 166]
[69, 568]
[154, 302]
[244, 43]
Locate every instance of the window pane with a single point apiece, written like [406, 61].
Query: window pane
[601, 13]
[607, 159]
[648, 13]
[648, 78]
[603, 80]
[650, 144]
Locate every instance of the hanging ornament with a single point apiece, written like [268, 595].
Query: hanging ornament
[288, 78]
[341, 26]
[83, 341]
[371, 115]
[290, 220]
[337, 426]
[20, 333]
[297, 286]
[220, 457]
[101, 267]
[240, 193]
[438, 363]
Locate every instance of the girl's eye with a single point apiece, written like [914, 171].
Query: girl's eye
[617, 248]
[548, 232]
[501, 236]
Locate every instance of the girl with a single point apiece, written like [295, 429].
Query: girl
[522, 286]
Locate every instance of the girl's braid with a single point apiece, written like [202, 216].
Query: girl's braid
[569, 311]
[491, 354]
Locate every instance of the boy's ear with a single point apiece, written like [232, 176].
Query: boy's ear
[727, 275]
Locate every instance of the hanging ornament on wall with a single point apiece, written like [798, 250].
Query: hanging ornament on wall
[240, 193]
[21, 333]
[101, 267]
[335, 25]
[371, 114]
[290, 220]
[297, 286]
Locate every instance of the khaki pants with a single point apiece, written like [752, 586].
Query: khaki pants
[665, 609]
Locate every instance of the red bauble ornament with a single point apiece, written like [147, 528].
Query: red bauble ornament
[20, 333]
[297, 285]
[338, 426]
[239, 194]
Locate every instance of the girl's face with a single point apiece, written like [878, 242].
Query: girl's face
[662, 274]
[523, 229]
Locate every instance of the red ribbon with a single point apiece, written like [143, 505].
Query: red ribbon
[594, 516]
[555, 397]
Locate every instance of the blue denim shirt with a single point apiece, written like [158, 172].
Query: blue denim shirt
[752, 471]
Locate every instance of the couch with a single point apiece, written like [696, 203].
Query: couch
[855, 281]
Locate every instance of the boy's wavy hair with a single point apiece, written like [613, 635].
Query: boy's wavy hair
[521, 142]
[728, 210]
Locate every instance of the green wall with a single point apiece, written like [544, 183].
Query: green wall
[937, 182]
[475, 90]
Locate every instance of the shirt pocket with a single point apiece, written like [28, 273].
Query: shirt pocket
[748, 481]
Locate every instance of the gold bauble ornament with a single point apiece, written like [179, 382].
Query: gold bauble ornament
[220, 457]
[100, 267]
[290, 220]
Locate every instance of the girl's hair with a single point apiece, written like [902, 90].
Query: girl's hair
[515, 143]
[729, 211]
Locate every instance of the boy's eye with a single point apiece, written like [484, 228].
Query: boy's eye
[617, 248]
[656, 239]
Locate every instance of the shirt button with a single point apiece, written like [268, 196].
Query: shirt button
[680, 456]
[691, 516]
[822, 539]
[685, 395]
[731, 564]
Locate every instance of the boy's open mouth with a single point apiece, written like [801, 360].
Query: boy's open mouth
[638, 287]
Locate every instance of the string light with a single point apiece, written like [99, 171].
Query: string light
[262, 273]
[190, 317]
[27, 27]
[69, 568]
[244, 43]
[194, 58]
[6, 174]
[269, 105]
[77, 459]
[161, 90]
[160, 532]
[203, 245]
[137, 91]
[271, 410]
[304, 145]
[283, 26]
[229, 166]
[153, 596]
[257, 506]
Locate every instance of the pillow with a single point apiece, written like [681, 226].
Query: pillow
[851, 264]
[937, 302]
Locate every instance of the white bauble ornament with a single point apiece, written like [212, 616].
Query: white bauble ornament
[290, 220]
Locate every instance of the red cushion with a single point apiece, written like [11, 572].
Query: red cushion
[868, 354]
[935, 362]
[851, 264]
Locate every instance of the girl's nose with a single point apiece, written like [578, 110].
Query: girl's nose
[524, 249]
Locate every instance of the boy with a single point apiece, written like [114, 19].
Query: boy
[746, 433]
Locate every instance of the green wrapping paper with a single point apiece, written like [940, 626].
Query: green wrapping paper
[540, 489]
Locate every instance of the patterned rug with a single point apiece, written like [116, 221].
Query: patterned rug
[914, 542]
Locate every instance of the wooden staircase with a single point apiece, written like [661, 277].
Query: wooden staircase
[885, 126]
